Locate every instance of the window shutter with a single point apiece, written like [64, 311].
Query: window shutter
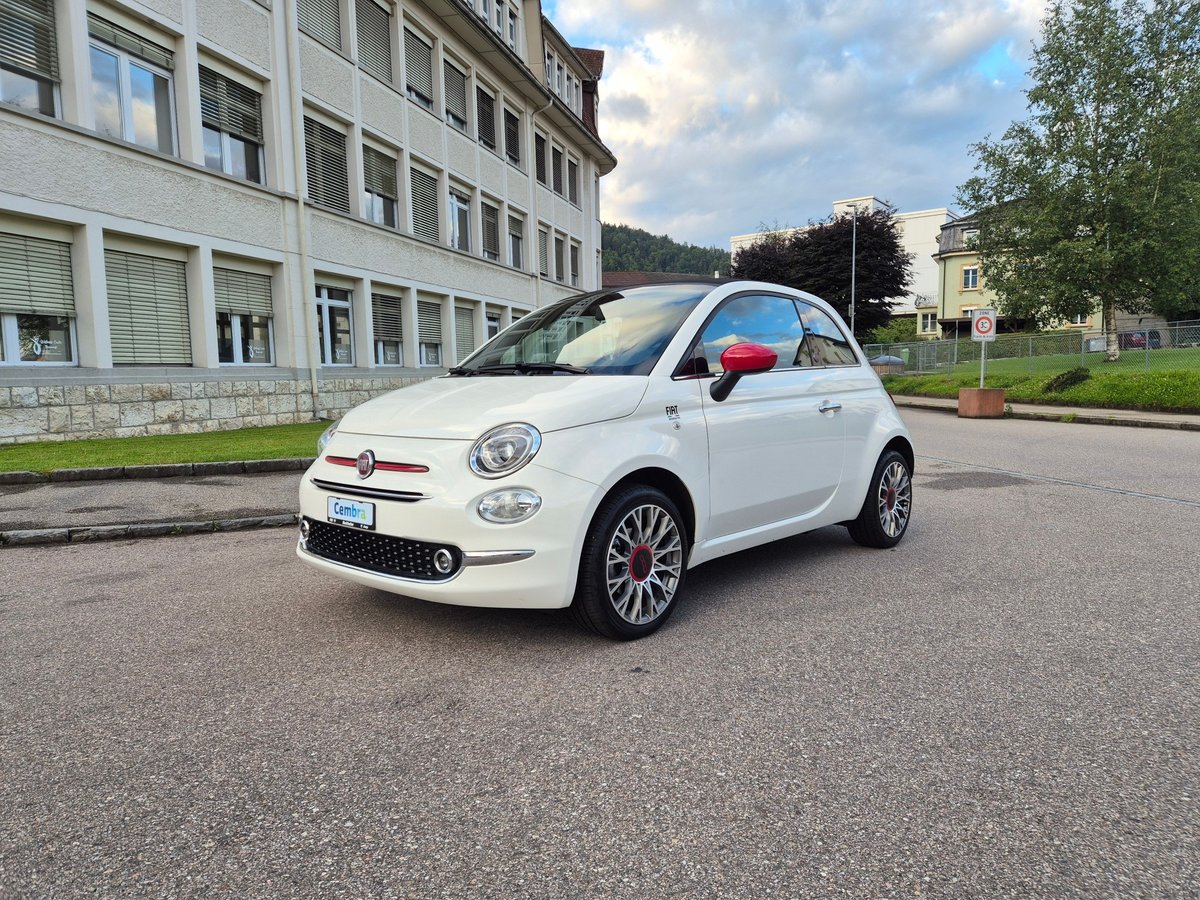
[456, 91]
[425, 206]
[464, 333]
[556, 161]
[485, 113]
[28, 40]
[418, 67]
[491, 231]
[242, 293]
[379, 171]
[35, 276]
[512, 137]
[386, 317]
[543, 252]
[321, 19]
[539, 157]
[573, 181]
[429, 322]
[325, 157]
[228, 106]
[147, 309]
[559, 268]
[574, 264]
[374, 39]
[130, 42]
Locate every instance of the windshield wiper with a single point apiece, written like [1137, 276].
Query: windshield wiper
[520, 368]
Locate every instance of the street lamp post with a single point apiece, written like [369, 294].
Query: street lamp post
[853, 260]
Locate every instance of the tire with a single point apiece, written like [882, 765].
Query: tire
[633, 565]
[887, 509]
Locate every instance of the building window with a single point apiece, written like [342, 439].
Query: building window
[460, 220]
[556, 160]
[374, 39]
[970, 278]
[573, 181]
[429, 332]
[147, 309]
[493, 325]
[512, 137]
[379, 187]
[321, 19]
[928, 323]
[516, 238]
[425, 220]
[969, 237]
[560, 269]
[498, 21]
[559, 78]
[456, 96]
[28, 55]
[549, 68]
[539, 157]
[389, 330]
[244, 317]
[543, 253]
[37, 302]
[131, 87]
[485, 118]
[1081, 319]
[491, 232]
[334, 334]
[418, 69]
[232, 117]
[575, 265]
[325, 159]
[464, 333]
[512, 28]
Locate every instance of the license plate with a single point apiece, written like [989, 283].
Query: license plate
[354, 513]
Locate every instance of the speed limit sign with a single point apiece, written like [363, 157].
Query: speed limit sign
[983, 325]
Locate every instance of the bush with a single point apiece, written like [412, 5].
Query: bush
[1067, 379]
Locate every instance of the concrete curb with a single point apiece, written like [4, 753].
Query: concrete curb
[1079, 417]
[172, 470]
[91, 533]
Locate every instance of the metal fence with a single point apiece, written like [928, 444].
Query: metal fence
[1174, 346]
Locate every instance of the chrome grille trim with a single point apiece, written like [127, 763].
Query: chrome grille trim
[357, 490]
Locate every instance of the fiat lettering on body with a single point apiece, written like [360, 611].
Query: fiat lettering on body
[542, 472]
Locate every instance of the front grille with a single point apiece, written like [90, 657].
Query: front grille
[375, 552]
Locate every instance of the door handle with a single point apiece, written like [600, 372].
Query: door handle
[829, 406]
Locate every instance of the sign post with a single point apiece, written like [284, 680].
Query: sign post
[983, 329]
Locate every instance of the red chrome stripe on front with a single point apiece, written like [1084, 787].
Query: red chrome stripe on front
[379, 466]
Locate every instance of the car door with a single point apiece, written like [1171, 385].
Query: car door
[775, 444]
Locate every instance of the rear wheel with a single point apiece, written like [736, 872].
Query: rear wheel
[887, 509]
[633, 564]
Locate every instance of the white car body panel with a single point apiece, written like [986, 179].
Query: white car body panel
[764, 464]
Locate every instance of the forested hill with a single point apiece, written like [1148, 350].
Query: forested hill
[629, 249]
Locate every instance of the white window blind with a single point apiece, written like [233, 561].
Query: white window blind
[325, 157]
[543, 252]
[321, 19]
[418, 68]
[374, 39]
[147, 309]
[491, 231]
[35, 276]
[379, 172]
[229, 106]
[28, 40]
[464, 333]
[387, 318]
[429, 322]
[456, 95]
[242, 293]
[485, 114]
[425, 205]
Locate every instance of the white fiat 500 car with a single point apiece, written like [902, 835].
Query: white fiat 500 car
[596, 450]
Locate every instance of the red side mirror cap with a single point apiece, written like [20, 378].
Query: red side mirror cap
[748, 358]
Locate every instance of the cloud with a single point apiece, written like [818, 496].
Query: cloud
[728, 115]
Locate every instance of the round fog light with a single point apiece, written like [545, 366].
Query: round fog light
[443, 562]
[508, 506]
[305, 528]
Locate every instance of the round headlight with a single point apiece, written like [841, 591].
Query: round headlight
[505, 449]
[326, 437]
[506, 507]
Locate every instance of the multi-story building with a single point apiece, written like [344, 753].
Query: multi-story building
[918, 232]
[216, 213]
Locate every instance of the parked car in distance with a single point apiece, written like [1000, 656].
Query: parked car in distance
[599, 448]
[1136, 340]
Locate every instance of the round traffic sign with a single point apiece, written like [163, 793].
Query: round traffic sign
[983, 325]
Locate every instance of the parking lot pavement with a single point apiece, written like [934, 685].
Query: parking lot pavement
[1006, 704]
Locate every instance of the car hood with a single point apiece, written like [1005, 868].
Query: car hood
[463, 408]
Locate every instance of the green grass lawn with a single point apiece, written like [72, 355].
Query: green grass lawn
[1107, 388]
[274, 442]
[1165, 360]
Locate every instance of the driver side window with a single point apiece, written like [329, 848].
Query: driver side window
[758, 319]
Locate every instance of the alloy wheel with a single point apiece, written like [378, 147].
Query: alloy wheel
[895, 499]
[643, 564]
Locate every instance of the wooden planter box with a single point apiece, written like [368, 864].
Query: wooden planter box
[981, 403]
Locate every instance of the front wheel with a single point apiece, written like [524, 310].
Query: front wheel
[633, 564]
[887, 509]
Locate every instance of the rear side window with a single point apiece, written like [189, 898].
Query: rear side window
[826, 343]
[757, 319]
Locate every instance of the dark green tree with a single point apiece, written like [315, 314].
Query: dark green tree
[1094, 200]
[817, 259]
[628, 249]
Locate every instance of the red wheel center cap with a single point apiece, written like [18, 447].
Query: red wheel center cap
[641, 563]
[891, 498]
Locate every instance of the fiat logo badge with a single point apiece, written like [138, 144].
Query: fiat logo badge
[365, 464]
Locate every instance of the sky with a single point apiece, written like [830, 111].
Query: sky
[729, 116]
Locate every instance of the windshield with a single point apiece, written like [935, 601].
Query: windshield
[602, 333]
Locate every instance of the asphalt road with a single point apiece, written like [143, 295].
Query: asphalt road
[1005, 705]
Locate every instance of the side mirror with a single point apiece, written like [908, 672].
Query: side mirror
[739, 360]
